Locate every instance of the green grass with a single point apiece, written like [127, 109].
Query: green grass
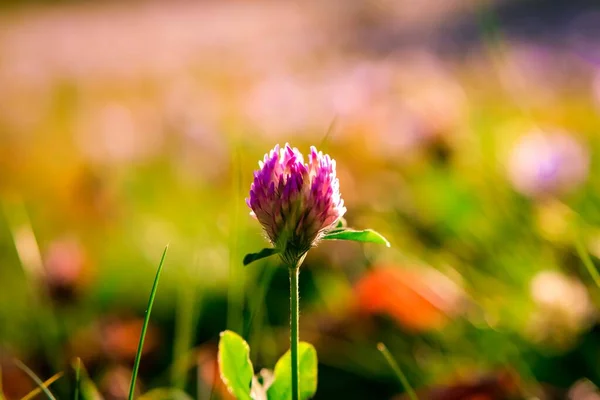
[585, 257]
[396, 368]
[45, 384]
[35, 378]
[77, 367]
[187, 315]
[138, 355]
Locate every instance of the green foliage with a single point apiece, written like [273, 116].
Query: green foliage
[367, 236]
[281, 388]
[88, 389]
[396, 368]
[35, 378]
[84, 387]
[77, 367]
[266, 252]
[32, 394]
[341, 223]
[138, 355]
[236, 371]
[235, 366]
[340, 232]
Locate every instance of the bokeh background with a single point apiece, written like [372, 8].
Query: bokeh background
[467, 132]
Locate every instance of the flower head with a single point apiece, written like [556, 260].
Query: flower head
[295, 202]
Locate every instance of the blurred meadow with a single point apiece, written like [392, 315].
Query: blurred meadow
[466, 132]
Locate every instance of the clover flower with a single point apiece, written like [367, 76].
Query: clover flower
[548, 164]
[295, 202]
[298, 204]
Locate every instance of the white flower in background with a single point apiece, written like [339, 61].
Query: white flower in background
[563, 307]
[548, 163]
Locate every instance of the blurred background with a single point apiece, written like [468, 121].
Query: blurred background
[467, 132]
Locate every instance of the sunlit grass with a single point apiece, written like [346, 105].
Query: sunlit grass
[396, 368]
[45, 384]
[77, 368]
[41, 385]
[138, 355]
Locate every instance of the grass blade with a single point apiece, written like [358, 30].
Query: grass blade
[585, 258]
[138, 355]
[399, 374]
[30, 258]
[45, 384]
[328, 134]
[35, 378]
[77, 367]
[85, 388]
[235, 292]
[186, 320]
[2, 397]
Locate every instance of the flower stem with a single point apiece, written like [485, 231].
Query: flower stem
[294, 316]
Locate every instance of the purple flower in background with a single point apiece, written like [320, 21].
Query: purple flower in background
[544, 164]
[295, 202]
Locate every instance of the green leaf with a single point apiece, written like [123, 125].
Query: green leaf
[281, 388]
[367, 235]
[266, 252]
[235, 366]
[341, 223]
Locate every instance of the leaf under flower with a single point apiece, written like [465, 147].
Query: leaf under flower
[264, 253]
[365, 236]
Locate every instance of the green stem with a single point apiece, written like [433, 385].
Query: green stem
[294, 317]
